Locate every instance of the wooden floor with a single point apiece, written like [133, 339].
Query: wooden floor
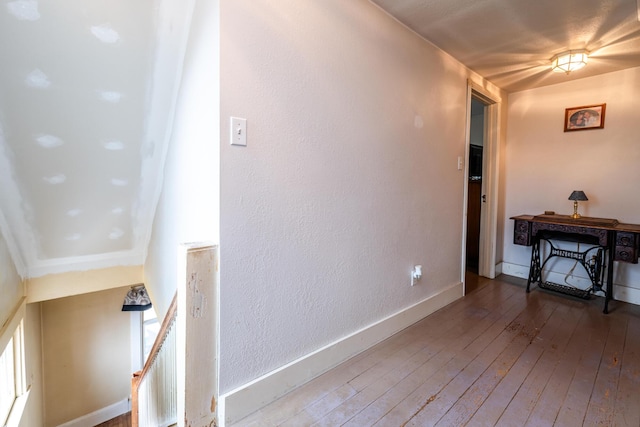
[498, 356]
[123, 420]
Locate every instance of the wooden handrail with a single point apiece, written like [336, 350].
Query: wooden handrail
[157, 345]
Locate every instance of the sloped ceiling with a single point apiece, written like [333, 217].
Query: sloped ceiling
[87, 91]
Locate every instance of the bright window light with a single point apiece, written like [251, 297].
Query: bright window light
[7, 381]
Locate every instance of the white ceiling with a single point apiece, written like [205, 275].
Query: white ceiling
[85, 95]
[87, 91]
[511, 42]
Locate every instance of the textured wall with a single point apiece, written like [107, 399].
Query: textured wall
[348, 180]
[543, 164]
[189, 204]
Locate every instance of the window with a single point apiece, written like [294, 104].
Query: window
[144, 328]
[11, 373]
[150, 329]
[7, 381]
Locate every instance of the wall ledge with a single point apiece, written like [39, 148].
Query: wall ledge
[72, 283]
[101, 415]
[17, 410]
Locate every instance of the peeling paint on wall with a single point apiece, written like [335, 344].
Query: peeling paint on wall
[37, 79]
[198, 300]
[113, 145]
[55, 179]
[105, 33]
[119, 182]
[49, 141]
[110, 96]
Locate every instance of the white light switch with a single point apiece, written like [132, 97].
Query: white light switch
[460, 163]
[238, 131]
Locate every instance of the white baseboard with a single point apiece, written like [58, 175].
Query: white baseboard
[498, 269]
[101, 415]
[247, 399]
[621, 292]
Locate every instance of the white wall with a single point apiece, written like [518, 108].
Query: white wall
[348, 180]
[188, 207]
[544, 164]
[11, 286]
[86, 349]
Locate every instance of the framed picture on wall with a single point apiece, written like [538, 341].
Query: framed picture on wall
[583, 118]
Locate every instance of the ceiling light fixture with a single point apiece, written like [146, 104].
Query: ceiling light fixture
[569, 61]
[137, 299]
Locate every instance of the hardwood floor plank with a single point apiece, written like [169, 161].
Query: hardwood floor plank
[440, 352]
[527, 396]
[574, 406]
[548, 405]
[406, 364]
[123, 420]
[603, 397]
[497, 356]
[295, 402]
[435, 332]
[502, 355]
[321, 407]
[627, 407]
[458, 359]
[473, 397]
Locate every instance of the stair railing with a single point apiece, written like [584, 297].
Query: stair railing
[154, 388]
[180, 375]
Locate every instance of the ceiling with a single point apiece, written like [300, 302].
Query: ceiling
[511, 42]
[87, 90]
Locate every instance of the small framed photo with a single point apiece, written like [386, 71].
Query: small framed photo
[583, 118]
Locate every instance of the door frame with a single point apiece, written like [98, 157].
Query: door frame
[490, 175]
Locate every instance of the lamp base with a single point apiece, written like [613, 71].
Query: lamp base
[575, 215]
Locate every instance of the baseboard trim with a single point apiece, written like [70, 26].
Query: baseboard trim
[498, 269]
[621, 292]
[249, 398]
[100, 416]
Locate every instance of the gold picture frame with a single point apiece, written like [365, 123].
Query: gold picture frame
[584, 118]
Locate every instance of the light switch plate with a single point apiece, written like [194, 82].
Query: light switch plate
[238, 131]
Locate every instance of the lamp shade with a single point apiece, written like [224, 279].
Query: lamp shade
[136, 299]
[578, 195]
[567, 62]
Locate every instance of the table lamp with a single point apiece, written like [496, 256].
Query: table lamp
[575, 196]
[137, 299]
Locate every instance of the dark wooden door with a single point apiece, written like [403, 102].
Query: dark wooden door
[474, 204]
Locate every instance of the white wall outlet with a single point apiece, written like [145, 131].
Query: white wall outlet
[238, 131]
[416, 274]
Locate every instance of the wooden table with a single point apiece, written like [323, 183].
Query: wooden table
[609, 241]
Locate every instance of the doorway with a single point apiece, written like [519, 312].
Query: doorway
[481, 186]
[474, 184]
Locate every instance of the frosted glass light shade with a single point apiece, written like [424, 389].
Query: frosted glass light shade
[569, 61]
